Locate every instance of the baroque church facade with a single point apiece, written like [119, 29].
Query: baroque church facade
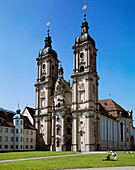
[72, 118]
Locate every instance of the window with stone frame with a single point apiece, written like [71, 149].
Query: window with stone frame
[121, 131]
[0, 138]
[81, 68]
[6, 146]
[0, 129]
[58, 143]
[82, 57]
[6, 130]
[68, 119]
[58, 131]
[16, 139]
[12, 130]
[17, 122]
[12, 139]
[69, 131]
[11, 147]
[6, 138]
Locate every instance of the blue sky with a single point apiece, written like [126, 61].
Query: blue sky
[23, 30]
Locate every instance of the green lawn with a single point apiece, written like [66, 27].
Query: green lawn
[31, 154]
[80, 161]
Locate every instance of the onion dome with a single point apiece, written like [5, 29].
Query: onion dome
[18, 115]
[48, 48]
[84, 34]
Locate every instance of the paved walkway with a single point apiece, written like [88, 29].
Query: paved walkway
[107, 168]
[24, 159]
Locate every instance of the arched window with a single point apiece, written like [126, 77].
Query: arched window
[69, 131]
[43, 78]
[82, 55]
[43, 66]
[121, 131]
[58, 104]
[81, 68]
[52, 67]
[68, 119]
[58, 131]
[58, 143]
[58, 118]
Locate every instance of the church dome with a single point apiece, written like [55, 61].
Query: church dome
[84, 37]
[48, 50]
[18, 116]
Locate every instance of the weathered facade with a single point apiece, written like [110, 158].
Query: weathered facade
[72, 118]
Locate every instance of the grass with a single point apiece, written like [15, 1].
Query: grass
[79, 161]
[31, 154]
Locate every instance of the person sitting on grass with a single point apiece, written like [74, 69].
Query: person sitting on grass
[115, 156]
[107, 158]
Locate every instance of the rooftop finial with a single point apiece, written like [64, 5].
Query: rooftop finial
[60, 61]
[18, 104]
[110, 95]
[84, 8]
[48, 23]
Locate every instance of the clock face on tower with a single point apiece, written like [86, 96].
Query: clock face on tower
[81, 86]
[42, 94]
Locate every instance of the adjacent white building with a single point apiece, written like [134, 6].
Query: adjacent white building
[16, 132]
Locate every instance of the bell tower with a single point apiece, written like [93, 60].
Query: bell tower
[84, 92]
[47, 74]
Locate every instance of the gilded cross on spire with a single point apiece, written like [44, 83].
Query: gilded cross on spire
[48, 23]
[84, 8]
[60, 59]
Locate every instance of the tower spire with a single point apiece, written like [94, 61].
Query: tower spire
[48, 38]
[84, 8]
[84, 23]
[60, 70]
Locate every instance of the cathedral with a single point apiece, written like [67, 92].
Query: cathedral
[71, 117]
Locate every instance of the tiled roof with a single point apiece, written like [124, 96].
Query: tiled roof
[113, 108]
[6, 118]
[110, 105]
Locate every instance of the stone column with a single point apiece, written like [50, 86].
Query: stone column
[53, 133]
[89, 57]
[77, 61]
[75, 133]
[63, 132]
[39, 71]
[86, 57]
[87, 131]
[74, 61]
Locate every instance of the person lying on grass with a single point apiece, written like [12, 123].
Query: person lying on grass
[109, 159]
